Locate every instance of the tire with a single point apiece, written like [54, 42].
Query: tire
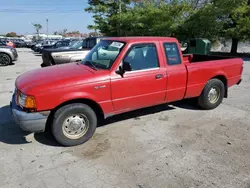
[212, 95]
[70, 118]
[5, 59]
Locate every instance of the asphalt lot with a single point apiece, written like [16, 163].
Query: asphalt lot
[170, 146]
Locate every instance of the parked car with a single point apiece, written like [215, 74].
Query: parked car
[19, 43]
[136, 72]
[30, 44]
[41, 44]
[7, 55]
[70, 54]
[58, 44]
[8, 42]
[2, 43]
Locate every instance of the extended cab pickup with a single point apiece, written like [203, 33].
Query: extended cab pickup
[118, 75]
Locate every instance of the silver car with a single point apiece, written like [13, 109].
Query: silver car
[7, 55]
[74, 53]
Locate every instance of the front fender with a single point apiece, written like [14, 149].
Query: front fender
[76, 95]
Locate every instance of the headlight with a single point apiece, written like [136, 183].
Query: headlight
[26, 101]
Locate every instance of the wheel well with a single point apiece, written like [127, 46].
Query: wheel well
[95, 106]
[224, 80]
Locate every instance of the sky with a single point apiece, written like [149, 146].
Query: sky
[18, 15]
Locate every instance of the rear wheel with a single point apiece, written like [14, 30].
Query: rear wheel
[5, 59]
[74, 124]
[212, 95]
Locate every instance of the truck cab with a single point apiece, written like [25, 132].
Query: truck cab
[118, 75]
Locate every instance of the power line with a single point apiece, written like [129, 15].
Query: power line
[39, 11]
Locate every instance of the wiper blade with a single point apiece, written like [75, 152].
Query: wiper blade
[92, 64]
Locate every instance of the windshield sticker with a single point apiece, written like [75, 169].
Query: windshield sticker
[117, 44]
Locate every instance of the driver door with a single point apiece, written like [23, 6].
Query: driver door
[145, 85]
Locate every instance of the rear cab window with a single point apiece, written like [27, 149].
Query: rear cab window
[172, 53]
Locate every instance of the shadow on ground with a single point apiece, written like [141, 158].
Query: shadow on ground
[10, 133]
[7, 65]
[48, 139]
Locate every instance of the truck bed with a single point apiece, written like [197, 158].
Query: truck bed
[197, 58]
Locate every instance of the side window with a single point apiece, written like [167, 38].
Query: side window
[84, 44]
[143, 56]
[92, 42]
[172, 53]
[58, 44]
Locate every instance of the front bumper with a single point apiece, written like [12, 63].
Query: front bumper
[30, 122]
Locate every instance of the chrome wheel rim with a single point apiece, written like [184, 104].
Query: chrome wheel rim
[214, 95]
[75, 126]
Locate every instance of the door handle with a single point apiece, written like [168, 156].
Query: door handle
[158, 76]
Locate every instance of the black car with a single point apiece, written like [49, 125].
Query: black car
[61, 43]
[19, 43]
[39, 44]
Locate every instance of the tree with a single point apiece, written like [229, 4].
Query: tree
[38, 27]
[237, 24]
[219, 18]
[64, 31]
[11, 34]
[105, 15]
[138, 17]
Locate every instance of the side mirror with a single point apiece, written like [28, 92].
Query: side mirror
[122, 69]
[126, 66]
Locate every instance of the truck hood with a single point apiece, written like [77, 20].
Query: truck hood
[53, 77]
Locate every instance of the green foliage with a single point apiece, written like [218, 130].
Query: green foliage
[11, 34]
[238, 22]
[37, 27]
[180, 18]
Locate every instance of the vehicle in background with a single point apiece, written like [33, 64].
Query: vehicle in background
[2, 43]
[31, 44]
[76, 52]
[118, 75]
[58, 44]
[41, 44]
[8, 42]
[7, 55]
[19, 43]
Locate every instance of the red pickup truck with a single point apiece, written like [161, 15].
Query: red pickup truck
[118, 75]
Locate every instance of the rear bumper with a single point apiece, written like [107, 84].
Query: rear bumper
[30, 122]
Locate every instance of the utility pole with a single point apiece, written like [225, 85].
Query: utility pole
[47, 20]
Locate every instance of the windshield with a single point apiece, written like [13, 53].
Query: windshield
[104, 54]
[76, 45]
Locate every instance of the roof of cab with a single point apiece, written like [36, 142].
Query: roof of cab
[142, 39]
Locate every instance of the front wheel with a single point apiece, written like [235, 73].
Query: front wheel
[5, 59]
[212, 95]
[74, 124]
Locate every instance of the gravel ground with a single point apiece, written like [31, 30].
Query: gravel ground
[168, 146]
